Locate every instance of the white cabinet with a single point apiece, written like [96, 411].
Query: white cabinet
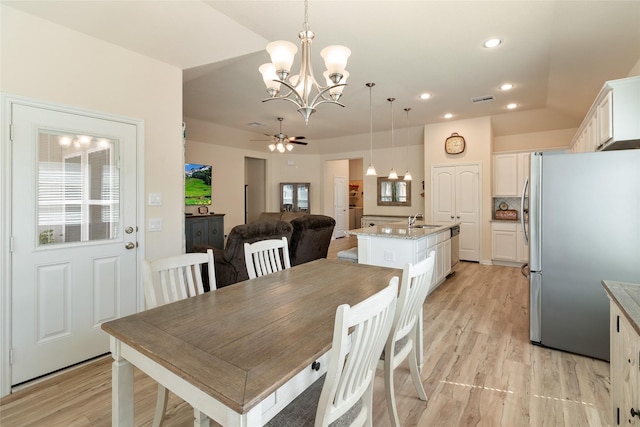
[505, 175]
[522, 248]
[507, 243]
[612, 121]
[625, 379]
[455, 197]
[503, 241]
[509, 173]
[443, 255]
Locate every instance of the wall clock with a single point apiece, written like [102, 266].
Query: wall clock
[454, 144]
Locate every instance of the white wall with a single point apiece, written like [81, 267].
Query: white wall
[479, 146]
[48, 62]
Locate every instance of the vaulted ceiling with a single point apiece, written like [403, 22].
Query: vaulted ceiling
[558, 54]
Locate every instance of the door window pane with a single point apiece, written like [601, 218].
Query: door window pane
[78, 188]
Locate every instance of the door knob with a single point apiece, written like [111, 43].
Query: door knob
[128, 230]
[130, 245]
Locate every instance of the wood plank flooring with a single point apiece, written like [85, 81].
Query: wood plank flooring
[480, 370]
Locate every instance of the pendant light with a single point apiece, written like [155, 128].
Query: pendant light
[393, 174]
[371, 171]
[407, 174]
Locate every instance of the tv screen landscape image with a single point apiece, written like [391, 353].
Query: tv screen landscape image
[197, 184]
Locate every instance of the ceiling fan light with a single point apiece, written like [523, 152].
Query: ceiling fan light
[371, 171]
[289, 146]
[280, 147]
[272, 147]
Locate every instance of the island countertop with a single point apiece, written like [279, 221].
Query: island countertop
[400, 230]
[627, 297]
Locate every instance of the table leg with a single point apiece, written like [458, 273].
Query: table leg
[121, 388]
[200, 419]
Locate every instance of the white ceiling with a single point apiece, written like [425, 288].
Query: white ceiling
[557, 53]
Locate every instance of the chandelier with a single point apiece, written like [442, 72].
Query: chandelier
[304, 90]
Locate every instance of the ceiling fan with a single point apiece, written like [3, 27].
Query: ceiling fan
[282, 142]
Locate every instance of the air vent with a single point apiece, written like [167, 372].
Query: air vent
[481, 99]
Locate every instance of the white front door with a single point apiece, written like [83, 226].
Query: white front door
[340, 205]
[74, 236]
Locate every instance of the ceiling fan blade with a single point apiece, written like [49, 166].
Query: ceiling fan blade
[298, 142]
[291, 138]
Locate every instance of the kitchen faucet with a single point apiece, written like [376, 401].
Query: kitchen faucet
[412, 221]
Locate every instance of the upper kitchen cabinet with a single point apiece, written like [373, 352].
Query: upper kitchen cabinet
[612, 121]
[509, 174]
[294, 197]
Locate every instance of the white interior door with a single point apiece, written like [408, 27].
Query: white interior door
[340, 205]
[468, 211]
[455, 195]
[74, 234]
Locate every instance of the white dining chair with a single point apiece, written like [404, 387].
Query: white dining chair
[346, 393]
[266, 257]
[403, 341]
[172, 279]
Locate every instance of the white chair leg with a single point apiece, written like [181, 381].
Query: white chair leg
[200, 419]
[415, 374]
[161, 406]
[389, 391]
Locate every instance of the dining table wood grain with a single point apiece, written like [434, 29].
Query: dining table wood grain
[239, 344]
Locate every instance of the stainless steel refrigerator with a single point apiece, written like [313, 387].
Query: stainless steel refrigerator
[584, 226]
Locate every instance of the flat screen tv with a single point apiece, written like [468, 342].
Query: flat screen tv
[197, 184]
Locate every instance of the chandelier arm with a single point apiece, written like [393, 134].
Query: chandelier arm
[322, 91]
[284, 99]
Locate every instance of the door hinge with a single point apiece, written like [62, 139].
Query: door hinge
[10, 131]
[618, 323]
[11, 244]
[10, 356]
[618, 416]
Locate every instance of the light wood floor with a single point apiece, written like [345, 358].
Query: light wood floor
[480, 370]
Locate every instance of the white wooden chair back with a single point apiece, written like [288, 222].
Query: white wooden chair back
[266, 257]
[403, 340]
[359, 335]
[175, 278]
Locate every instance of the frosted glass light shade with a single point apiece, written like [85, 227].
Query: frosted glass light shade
[289, 147]
[407, 176]
[393, 174]
[371, 171]
[336, 91]
[268, 72]
[335, 58]
[282, 53]
[272, 147]
[280, 147]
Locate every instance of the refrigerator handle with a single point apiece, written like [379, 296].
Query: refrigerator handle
[524, 193]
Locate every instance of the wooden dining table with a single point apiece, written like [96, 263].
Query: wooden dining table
[241, 353]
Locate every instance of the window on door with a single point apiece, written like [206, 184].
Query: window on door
[78, 188]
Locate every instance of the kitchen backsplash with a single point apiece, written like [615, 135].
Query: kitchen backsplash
[513, 203]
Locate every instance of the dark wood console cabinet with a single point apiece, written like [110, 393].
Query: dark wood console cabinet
[204, 230]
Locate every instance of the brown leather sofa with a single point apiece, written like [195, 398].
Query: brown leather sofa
[309, 237]
[229, 262]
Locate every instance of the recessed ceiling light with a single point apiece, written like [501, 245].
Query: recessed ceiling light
[492, 43]
[448, 116]
[425, 95]
[506, 86]
[512, 106]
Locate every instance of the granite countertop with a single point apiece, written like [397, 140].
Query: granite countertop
[627, 297]
[400, 230]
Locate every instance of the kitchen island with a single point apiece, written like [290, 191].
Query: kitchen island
[395, 244]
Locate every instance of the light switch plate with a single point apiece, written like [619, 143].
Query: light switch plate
[155, 199]
[155, 224]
